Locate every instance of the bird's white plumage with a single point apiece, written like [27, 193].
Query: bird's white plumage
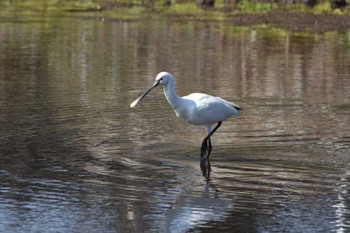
[210, 109]
[196, 108]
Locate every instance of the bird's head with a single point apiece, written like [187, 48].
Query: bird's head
[163, 78]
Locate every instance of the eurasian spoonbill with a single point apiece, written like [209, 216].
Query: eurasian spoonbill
[196, 108]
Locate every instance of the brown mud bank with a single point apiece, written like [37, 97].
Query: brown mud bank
[292, 21]
[291, 17]
[295, 21]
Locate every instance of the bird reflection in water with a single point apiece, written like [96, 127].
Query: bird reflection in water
[206, 169]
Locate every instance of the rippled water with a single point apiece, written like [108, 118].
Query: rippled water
[76, 158]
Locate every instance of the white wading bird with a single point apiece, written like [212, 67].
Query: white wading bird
[196, 108]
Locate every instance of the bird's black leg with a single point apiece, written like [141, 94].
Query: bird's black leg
[209, 148]
[207, 139]
[216, 127]
[204, 148]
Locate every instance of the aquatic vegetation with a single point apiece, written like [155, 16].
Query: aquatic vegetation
[179, 6]
[295, 17]
[256, 7]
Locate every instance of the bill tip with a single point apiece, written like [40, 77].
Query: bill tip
[133, 104]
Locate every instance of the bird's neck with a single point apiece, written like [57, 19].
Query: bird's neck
[170, 94]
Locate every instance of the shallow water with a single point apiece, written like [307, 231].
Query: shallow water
[76, 158]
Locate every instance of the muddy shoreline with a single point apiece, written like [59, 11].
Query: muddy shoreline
[296, 21]
[304, 20]
[292, 21]
[334, 20]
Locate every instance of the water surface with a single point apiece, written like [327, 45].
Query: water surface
[76, 158]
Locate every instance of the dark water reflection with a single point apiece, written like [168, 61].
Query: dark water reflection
[75, 158]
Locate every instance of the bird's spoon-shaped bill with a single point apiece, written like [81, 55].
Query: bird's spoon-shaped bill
[133, 104]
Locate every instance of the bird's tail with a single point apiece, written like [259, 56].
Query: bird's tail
[237, 107]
